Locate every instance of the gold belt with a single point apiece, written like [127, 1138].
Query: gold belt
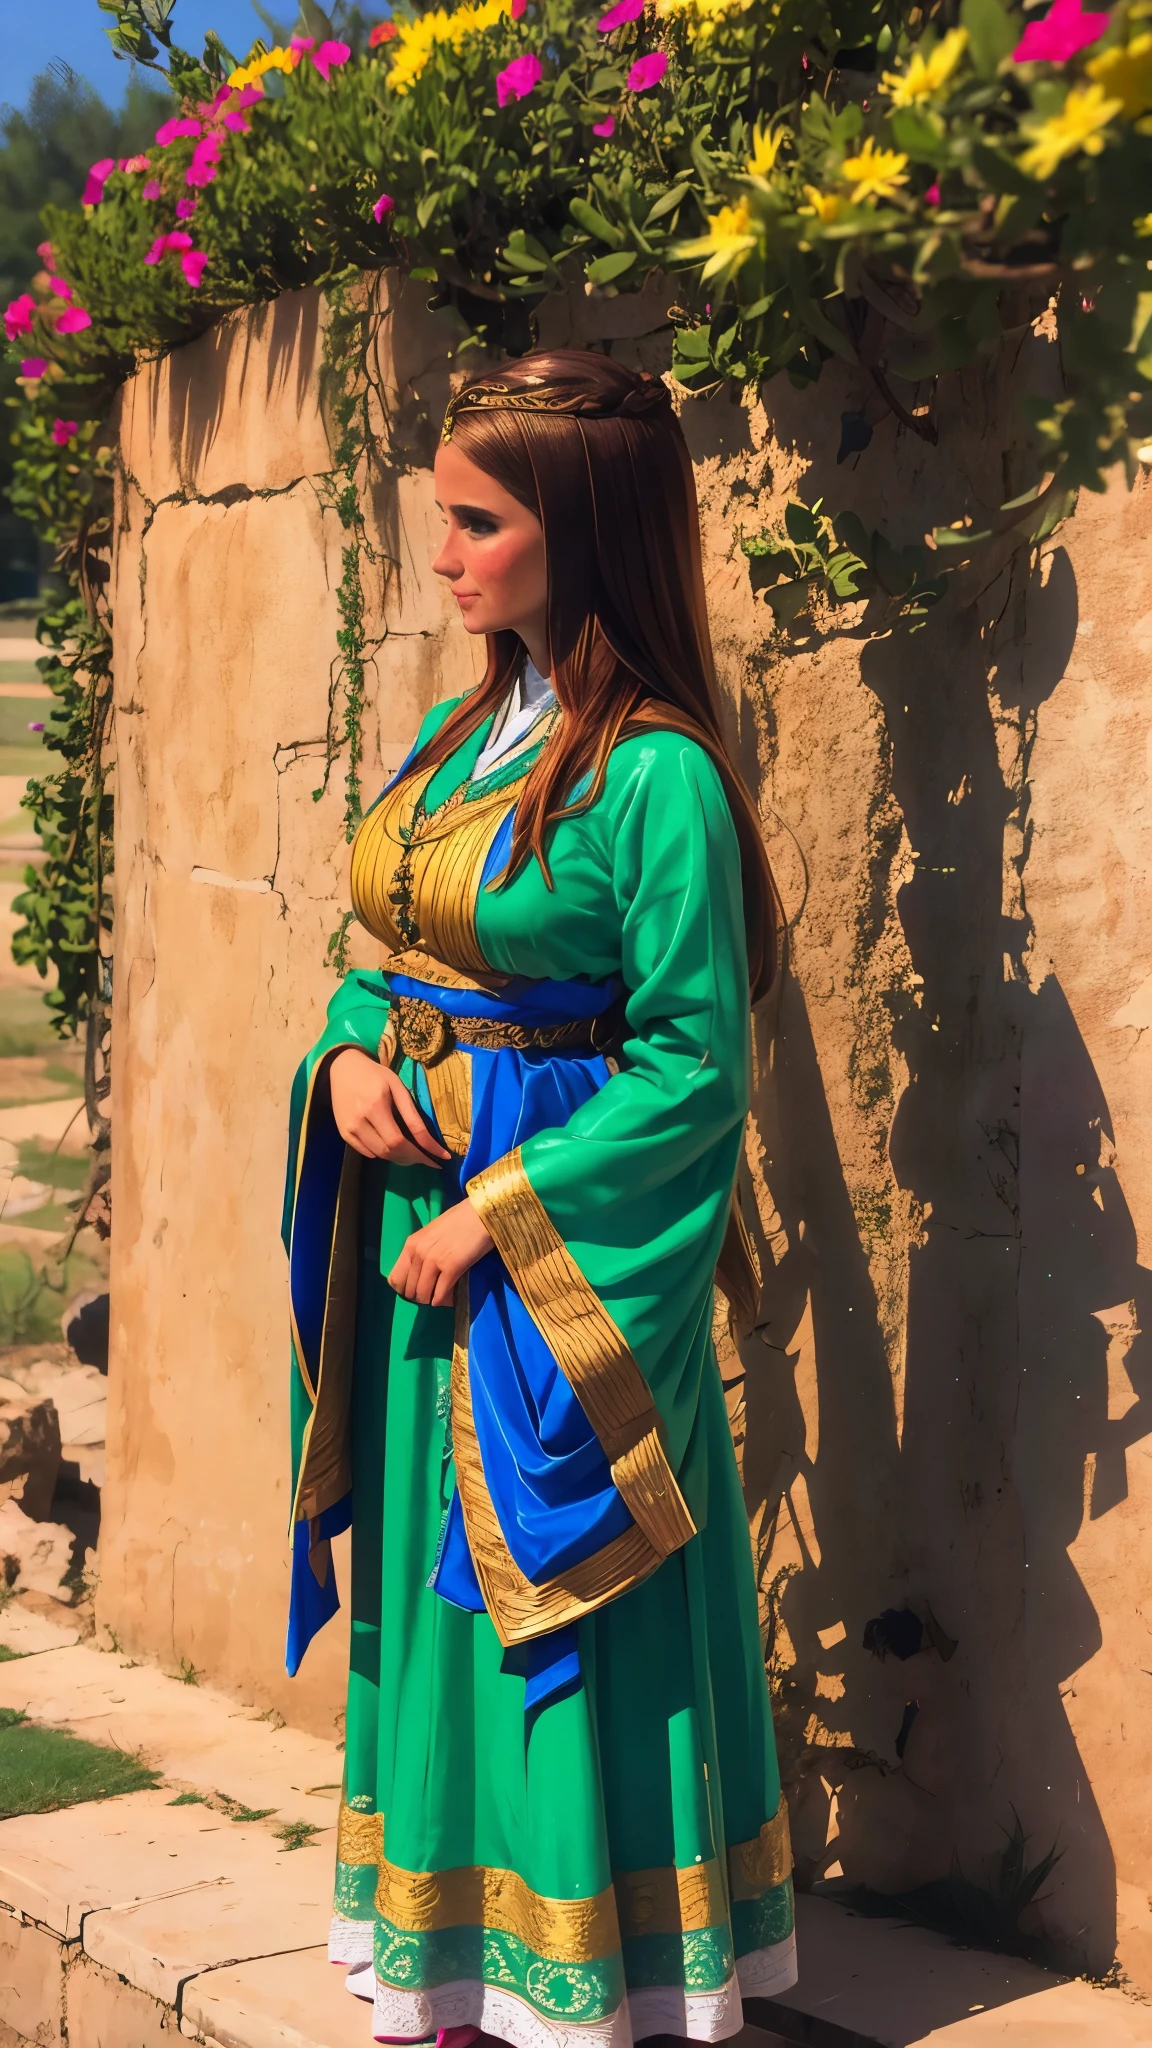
[427, 1033]
[433, 1039]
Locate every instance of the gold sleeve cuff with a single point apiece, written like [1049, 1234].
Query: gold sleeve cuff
[588, 1347]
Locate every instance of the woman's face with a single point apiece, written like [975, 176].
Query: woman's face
[493, 554]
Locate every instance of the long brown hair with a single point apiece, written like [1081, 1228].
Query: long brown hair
[596, 452]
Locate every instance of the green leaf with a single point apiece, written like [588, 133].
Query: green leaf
[799, 524]
[992, 34]
[693, 344]
[852, 534]
[844, 571]
[668, 204]
[788, 600]
[426, 208]
[594, 223]
[606, 269]
[918, 135]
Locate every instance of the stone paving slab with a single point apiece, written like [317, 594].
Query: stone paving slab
[133, 1875]
[190, 1733]
[264, 1898]
[285, 2001]
[903, 1987]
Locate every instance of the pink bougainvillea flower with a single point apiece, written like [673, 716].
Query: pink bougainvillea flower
[328, 56]
[33, 367]
[249, 96]
[299, 44]
[193, 266]
[624, 10]
[932, 195]
[205, 158]
[73, 320]
[185, 208]
[235, 121]
[605, 128]
[19, 316]
[179, 126]
[1064, 30]
[62, 431]
[647, 71]
[98, 176]
[153, 189]
[383, 32]
[35, 725]
[164, 244]
[518, 79]
[44, 252]
[383, 205]
[210, 108]
[61, 289]
[519, 9]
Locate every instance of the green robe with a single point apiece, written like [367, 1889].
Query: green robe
[617, 1864]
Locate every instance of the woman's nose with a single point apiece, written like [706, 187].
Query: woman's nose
[447, 562]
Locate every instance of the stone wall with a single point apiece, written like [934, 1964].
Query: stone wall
[944, 1411]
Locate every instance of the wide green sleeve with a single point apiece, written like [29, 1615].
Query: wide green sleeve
[638, 1182]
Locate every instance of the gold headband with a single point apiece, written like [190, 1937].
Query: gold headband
[644, 399]
[507, 398]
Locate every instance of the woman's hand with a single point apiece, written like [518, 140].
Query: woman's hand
[435, 1258]
[376, 1115]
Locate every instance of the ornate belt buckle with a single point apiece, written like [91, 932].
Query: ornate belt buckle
[426, 1034]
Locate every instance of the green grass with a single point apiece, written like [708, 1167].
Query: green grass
[7, 1656]
[42, 1769]
[188, 1799]
[44, 1163]
[296, 1834]
[25, 1024]
[33, 1291]
[18, 713]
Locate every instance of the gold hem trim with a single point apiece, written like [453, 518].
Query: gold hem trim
[589, 1348]
[666, 1900]
[760, 1865]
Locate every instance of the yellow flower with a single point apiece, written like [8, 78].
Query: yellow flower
[272, 60]
[1143, 226]
[766, 144]
[827, 206]
[416, 40]
[1126, 73]
[700, 16]
[1079, 125]
[875, 173]
[730, 238]
[926, 75]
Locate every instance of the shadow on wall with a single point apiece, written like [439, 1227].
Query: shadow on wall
[958, 1491]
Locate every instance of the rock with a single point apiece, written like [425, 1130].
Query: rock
[85, 1325]
[34, 1556]
[80, 1393]
[29, 1453]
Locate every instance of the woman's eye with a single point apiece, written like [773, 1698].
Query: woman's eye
[482, 528]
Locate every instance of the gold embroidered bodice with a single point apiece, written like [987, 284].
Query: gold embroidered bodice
[418, 888]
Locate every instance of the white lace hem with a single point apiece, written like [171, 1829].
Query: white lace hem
[658, 2009]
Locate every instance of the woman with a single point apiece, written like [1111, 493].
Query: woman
[511, 1182]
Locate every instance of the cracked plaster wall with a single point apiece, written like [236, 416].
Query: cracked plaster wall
[946, 1405]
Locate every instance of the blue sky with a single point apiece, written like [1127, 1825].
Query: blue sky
[32, 34]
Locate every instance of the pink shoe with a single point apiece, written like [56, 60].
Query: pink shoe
[457, 2037]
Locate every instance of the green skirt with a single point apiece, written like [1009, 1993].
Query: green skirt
[616, 1865]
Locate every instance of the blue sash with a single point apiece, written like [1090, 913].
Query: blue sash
[547, 1476]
